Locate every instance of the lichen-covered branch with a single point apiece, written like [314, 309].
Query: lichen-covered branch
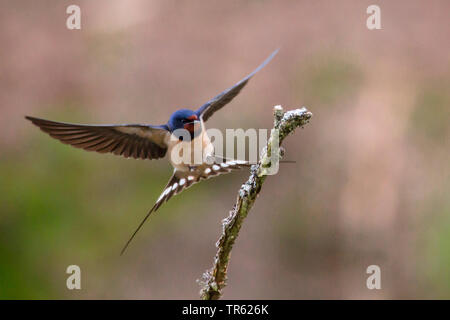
[214, 280]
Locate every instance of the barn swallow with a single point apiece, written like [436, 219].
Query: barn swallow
[145, 141]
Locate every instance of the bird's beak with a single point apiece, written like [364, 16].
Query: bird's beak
[192, 126]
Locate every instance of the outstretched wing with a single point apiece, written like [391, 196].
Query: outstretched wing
[216, 103]
[183, 180]
[128, 140]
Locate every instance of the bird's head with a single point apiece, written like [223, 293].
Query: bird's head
[185, 119]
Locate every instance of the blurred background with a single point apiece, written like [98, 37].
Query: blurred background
[370, 185]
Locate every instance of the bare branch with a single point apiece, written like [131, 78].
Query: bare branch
[214, 280]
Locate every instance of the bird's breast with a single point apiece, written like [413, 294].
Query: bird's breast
[185, 154]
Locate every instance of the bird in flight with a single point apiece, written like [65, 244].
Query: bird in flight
[185, 128]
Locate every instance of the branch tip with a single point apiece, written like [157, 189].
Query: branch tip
[214, 280]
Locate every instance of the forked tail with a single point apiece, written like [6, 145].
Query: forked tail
[181, 180]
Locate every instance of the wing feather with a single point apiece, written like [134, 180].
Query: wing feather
[219, 101]
[130, 140]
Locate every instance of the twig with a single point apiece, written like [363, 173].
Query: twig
[214, 280]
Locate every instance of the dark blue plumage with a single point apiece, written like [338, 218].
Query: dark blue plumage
[180, 118]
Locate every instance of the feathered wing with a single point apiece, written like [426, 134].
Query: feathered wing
[219, 101]
[128, 140]
[182, 180]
